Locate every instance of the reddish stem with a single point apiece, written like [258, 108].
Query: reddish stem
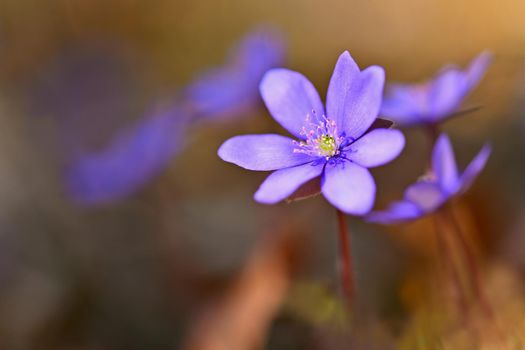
[432, 135]
[445, 252]
[470, 259]
[345, 256]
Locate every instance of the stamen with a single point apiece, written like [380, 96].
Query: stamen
[321, 138]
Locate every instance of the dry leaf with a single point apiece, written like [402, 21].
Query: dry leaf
[240, 320]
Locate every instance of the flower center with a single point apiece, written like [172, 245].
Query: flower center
[321, 138]
[429, 176]
[327, 145]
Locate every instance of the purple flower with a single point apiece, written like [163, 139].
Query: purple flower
[333, 146]
[436, 188]
[231, 90]
[436, 100]
[143, 150]
[134, 156]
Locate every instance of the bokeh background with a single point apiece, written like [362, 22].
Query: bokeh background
[189, 251]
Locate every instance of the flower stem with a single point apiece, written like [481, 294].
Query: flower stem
[432, 131]
[446, 256]
[472, 266]
[345, 256]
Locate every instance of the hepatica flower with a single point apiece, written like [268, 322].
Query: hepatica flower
[232, 89]
[331, 145]
[133, 157]
[140, 152]
[440, 185]
[436, 100]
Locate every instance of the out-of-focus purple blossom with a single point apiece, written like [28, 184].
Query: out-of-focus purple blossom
[135, 155]
[143, 150]
[232, 89]
[441, 184]
[436, 100]
[333, 146]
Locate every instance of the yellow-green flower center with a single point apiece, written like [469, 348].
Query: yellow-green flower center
[327, 145]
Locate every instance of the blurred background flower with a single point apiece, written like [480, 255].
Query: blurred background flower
[438, 186]
[435, 100]
[141, 151]
[233, 89]
[132, 159]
